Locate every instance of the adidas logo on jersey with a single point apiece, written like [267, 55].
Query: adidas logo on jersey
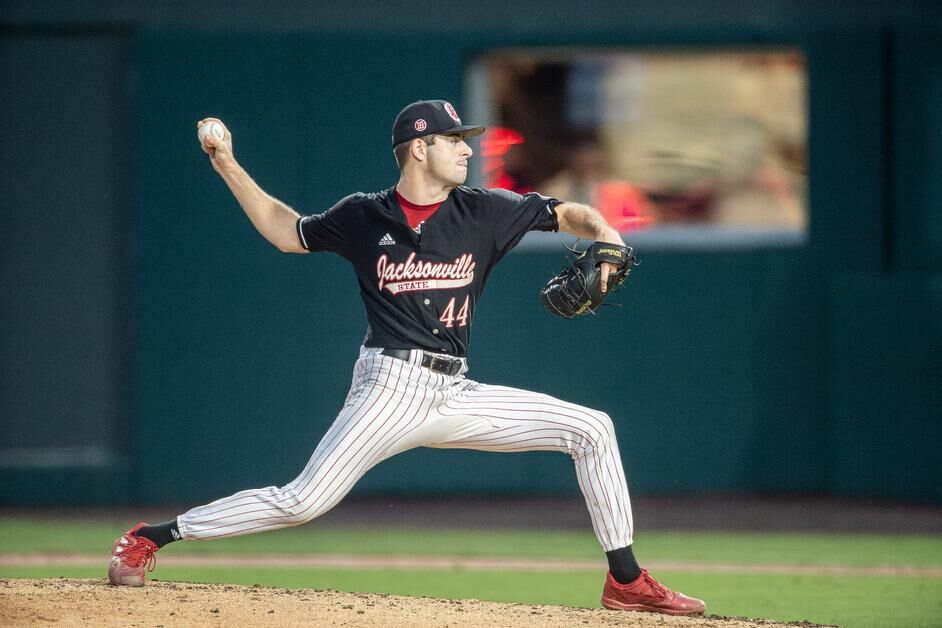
[386, 240]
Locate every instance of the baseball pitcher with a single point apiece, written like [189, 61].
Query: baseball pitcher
[422, 251]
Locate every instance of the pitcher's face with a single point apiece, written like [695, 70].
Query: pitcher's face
[448, 159]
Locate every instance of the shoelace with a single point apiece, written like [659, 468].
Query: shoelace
[140, 552]
[656, 586]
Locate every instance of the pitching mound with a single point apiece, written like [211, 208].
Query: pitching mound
[97, 603]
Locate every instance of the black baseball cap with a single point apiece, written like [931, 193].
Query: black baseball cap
[428, 117]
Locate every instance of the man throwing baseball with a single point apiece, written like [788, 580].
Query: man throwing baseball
[422, 251]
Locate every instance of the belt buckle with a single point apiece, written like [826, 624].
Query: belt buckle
[444, 365]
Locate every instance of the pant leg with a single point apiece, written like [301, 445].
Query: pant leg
[503, 419]
[389, 399]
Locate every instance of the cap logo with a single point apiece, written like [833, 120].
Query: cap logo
[420, 124]
[452, 113]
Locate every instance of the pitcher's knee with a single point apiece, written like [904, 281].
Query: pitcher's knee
[607, 425]
[292, 517]
[593, 434]
[295, 510]
[603, 432]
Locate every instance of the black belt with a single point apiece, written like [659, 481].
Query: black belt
[437, 363]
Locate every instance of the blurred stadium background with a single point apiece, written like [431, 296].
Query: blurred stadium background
[156, 350]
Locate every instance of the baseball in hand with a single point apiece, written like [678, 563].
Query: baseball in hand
[213, 129]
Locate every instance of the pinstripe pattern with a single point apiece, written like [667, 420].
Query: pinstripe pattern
[394, 405]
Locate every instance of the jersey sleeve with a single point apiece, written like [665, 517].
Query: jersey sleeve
[516, 214]
[326, 231]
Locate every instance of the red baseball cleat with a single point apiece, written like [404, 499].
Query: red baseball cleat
[131, 557]
[649, 595]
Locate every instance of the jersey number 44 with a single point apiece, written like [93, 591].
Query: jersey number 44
[448, 316]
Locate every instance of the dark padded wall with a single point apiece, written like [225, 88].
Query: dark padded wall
[64, 314]
[812, 369]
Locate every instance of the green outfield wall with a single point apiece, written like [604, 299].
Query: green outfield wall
[809, 369]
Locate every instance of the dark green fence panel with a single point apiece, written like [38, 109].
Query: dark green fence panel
[811, 369]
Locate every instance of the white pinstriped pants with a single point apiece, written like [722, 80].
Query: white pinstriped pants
[393, 406]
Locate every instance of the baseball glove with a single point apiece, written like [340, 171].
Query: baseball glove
[577, 289]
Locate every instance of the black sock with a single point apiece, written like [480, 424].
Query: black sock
[161, 534]
[622, 565]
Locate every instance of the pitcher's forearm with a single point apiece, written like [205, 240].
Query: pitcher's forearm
[584, 221]
[273, 219]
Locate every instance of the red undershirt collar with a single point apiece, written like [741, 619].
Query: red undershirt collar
[416, 214]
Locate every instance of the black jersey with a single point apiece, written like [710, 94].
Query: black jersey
[420, 286]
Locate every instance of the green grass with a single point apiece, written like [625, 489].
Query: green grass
[846, 600]
[21, 536]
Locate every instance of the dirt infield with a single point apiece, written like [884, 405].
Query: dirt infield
[72, 602]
